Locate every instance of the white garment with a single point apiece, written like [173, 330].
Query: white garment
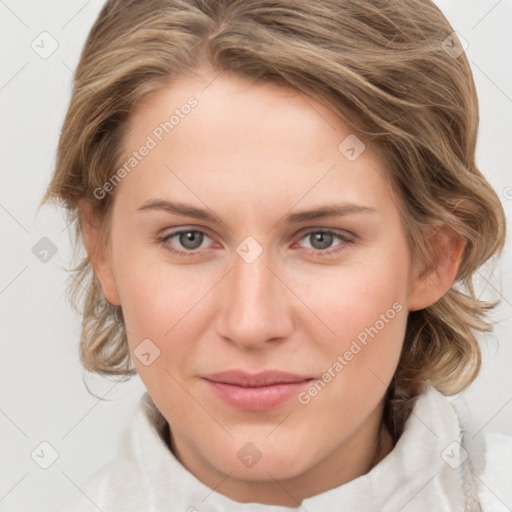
[427, 470]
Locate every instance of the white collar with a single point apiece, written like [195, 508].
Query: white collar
[426, 470]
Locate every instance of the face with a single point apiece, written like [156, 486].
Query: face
[264, 278]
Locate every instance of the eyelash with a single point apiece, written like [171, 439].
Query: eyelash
[312, 252]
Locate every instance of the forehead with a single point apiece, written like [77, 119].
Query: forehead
[253, 140]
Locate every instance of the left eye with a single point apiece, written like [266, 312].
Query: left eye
[321, 240]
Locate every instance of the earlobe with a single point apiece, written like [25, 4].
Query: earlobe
[433, 279]
[99, 255]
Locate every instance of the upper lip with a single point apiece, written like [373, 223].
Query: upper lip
[253, 380]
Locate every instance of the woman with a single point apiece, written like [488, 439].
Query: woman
[282, 215]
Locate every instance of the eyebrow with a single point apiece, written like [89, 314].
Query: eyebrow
[329, 210]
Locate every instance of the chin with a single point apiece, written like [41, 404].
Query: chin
[263, 461]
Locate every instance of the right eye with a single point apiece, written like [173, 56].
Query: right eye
[188, 241]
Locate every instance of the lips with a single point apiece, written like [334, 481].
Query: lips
[255, 392]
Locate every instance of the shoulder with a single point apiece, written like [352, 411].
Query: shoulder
[483, 459]
[490, 457]
[110, 488]
[123, 484]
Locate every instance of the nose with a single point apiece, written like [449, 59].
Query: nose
[256, 306]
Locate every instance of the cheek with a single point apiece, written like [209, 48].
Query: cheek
[163, 303]
[365, 305]
[366, 308]
[154, 303]
[352, 297]
[157, 310]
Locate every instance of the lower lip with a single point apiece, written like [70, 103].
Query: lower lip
[258, 398]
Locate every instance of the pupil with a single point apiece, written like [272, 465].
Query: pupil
[191, 239]
[321, 240]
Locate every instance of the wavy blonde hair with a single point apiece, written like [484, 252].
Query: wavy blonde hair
[383, 66]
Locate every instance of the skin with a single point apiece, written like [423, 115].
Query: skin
[252, 153]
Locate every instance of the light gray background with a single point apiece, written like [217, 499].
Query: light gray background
[43, 396]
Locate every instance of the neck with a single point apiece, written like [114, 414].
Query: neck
[356, 457]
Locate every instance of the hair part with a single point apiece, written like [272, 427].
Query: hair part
[378, 64]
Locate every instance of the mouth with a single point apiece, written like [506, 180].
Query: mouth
[256, 392]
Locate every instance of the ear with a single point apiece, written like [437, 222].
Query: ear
[99, 254]
[431, 280]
